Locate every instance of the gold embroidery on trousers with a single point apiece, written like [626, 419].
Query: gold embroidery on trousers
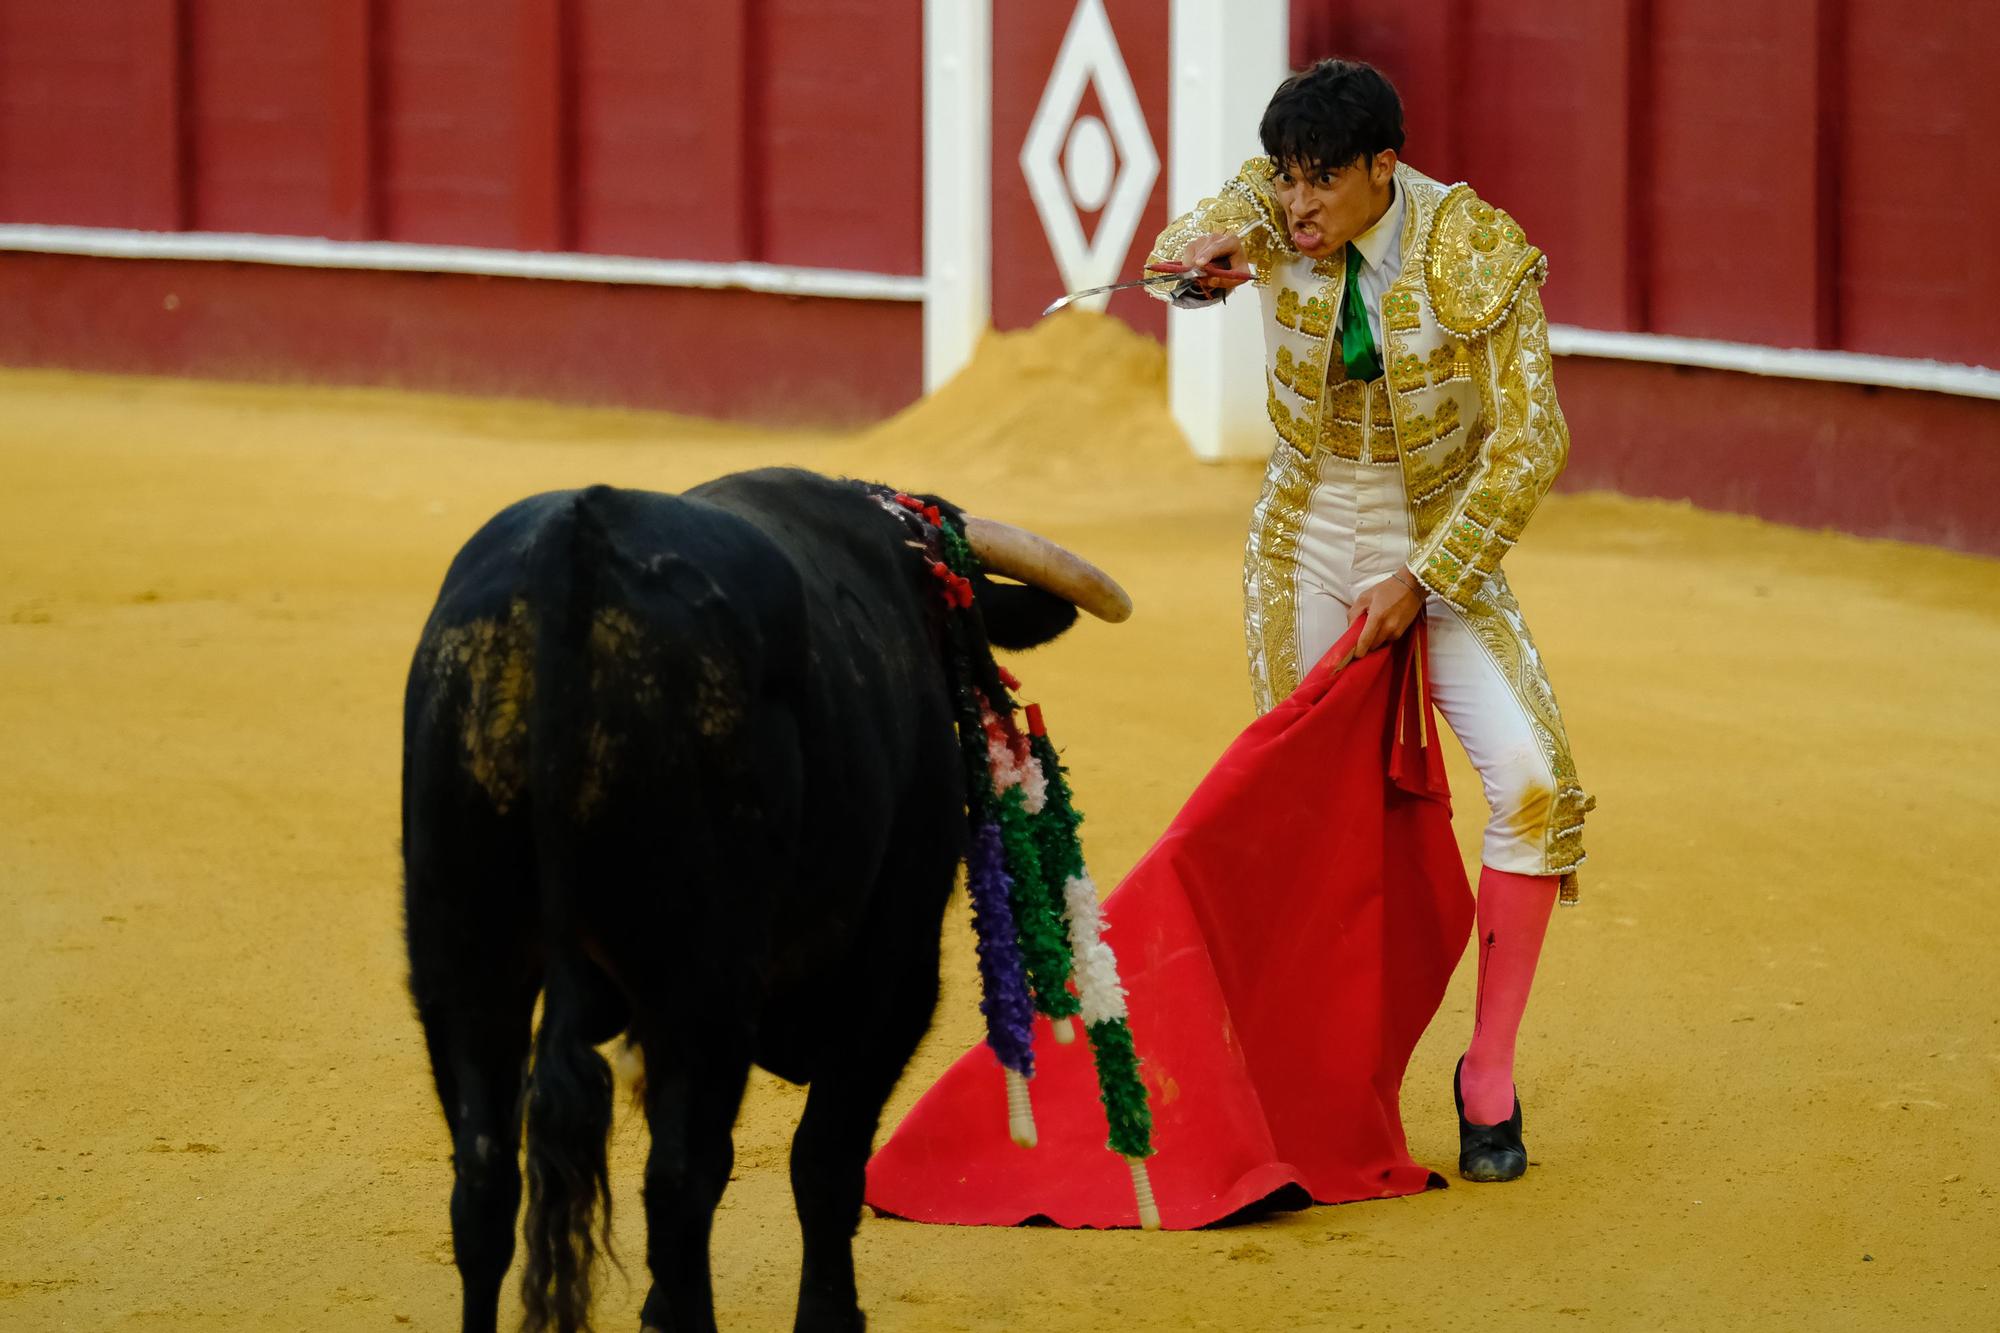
[1495, 617]
[1270, 573]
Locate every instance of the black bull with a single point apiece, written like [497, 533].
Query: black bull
[685, 766]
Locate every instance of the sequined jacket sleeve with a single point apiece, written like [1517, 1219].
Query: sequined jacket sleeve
[1248, 206]
[1485, 285]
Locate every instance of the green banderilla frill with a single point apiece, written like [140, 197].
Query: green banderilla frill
[1037, 909]
[1120, 1088]
[1056, 826]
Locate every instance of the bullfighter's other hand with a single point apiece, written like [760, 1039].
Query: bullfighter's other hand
[1391, 606]
[1217, 250]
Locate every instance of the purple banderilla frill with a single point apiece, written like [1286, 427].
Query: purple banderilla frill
[1010, 1013]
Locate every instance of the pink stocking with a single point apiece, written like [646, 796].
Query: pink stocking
[1513, 917]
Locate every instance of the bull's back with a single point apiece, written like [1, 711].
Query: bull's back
[665, 611]
[866, 601]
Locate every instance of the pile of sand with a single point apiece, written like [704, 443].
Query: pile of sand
[1071, 406]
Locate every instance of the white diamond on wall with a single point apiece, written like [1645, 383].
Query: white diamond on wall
[1067, 160]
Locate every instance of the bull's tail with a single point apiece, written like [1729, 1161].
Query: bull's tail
[569, 1094]
[569, 1186]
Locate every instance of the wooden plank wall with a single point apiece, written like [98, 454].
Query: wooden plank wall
[1804, 173]
[786, 131]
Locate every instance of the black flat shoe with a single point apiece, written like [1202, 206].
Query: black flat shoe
[1488, 1152]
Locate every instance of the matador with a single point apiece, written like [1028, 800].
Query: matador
[1410, 391]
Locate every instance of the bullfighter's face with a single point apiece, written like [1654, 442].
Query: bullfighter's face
[1326, 207]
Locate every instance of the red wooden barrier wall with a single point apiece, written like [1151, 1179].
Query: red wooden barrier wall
[780, 131]
[786, 131]
[1808, 173]
[89, 114]
[1804, 172]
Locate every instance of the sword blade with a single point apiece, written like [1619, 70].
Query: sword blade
[1261, 224]
[1149, 281]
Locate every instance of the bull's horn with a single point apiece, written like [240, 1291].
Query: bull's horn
[1020, 554]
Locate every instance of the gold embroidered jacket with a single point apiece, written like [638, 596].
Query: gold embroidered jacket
[1466, 360]
[1477, 432]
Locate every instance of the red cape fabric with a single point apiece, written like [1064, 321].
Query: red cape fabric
[1284, 945]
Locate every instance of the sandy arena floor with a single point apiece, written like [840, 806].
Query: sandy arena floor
[1759, 1072]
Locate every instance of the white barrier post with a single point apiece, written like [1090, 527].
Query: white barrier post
[1228, 58]
[958, 184]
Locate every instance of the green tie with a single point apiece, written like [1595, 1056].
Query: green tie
[1357, 344]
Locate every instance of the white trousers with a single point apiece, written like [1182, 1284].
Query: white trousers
[1356, 534]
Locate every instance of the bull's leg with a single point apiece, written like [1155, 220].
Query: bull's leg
[469, 924]
[477, 1058]
[836, 1133]
[693, 1090]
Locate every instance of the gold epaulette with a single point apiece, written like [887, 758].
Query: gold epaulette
[1258, 182]
[1247, 200]
[1479, 261]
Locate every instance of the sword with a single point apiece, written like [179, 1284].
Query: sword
[1172, 273]
[1169, 272]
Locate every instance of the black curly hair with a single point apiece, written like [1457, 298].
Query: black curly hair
[1336, 113]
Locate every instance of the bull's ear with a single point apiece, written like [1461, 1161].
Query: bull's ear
[1018, 616]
